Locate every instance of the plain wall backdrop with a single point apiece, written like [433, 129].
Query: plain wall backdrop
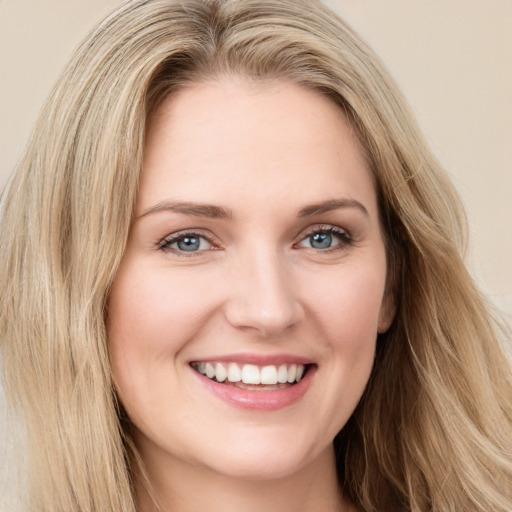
[452, 58]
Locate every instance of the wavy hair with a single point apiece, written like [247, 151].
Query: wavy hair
[433, 431]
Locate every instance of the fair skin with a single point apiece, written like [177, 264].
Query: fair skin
[256, 242]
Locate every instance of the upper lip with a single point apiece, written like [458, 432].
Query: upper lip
[256, 359]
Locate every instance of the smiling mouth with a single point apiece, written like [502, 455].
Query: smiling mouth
[252, 377]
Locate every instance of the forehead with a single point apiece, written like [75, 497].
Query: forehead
[212, 140]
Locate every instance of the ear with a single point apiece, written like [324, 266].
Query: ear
[387, 312]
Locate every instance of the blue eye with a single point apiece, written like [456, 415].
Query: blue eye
[186, 242]
[328, 238]
[320, 240]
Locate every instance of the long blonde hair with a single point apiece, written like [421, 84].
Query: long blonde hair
[433, 431]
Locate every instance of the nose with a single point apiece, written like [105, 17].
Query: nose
[263, 295]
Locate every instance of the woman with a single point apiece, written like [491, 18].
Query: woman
[238, 271]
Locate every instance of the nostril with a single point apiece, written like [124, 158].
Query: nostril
[262, 293]
[268, 321]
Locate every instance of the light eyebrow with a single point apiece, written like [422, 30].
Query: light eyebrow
[333, 204]
[188, 208]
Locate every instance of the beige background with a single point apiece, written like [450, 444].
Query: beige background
[453, 58]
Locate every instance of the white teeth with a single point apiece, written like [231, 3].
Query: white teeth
[269, 375]
[282, 374]
[292, 373]
[210, 371]
[220, 372]
[251, 374]
[234, 373]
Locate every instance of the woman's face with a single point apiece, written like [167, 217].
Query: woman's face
[256, 253]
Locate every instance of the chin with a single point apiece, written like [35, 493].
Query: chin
[259, 468]
[264, 459]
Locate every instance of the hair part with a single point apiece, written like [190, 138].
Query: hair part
[433, 429]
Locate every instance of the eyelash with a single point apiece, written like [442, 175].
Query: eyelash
[165, 244]
[342, 234]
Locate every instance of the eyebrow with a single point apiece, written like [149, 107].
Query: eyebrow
[218, 212]
[189, 208]
[333, 204]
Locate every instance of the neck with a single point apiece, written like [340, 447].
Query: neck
[182, 487]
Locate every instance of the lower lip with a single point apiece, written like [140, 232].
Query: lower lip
[259, 400]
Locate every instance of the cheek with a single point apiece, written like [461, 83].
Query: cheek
[151, 317]
[348, 303]
[351, 318]
[152, 311]
[346, 321]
